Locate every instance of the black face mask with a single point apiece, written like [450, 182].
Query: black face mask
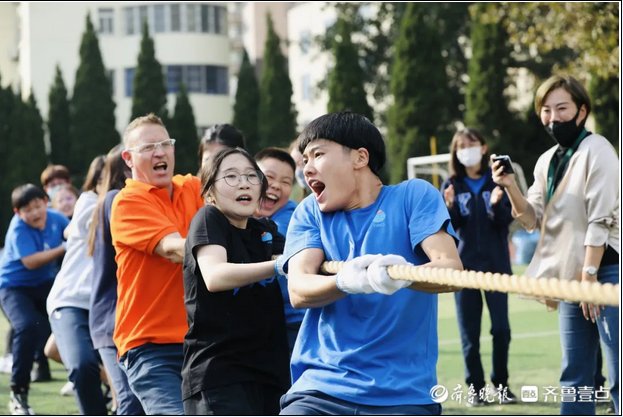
[565, 133]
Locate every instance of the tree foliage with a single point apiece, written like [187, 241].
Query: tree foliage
[346, 79]
[276, 114]
[182, 127]
[26, 157]
[149, 94]
[374, 36]
[589, 29]
[605, 99]
[247, 103]
[485, 103]
[59, 122]
[418, 80]
[7, 102]
[92, 109]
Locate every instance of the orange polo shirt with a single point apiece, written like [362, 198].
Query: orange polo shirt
[150, 302]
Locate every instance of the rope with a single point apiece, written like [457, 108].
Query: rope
[552, 288]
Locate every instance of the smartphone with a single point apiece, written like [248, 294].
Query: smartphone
[505, 160]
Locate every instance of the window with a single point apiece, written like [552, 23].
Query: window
[220, 20]
[206, 79]
[129, 81]
[206, 17]
[159, 18]
[105, 18]
[176, 18]
[128, 14]
[192, 12]
[193, 79]
[143, 16]
[173, 78]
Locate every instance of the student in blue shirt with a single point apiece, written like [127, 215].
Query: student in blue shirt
[278, 167]
[33, 242]
[367, 344]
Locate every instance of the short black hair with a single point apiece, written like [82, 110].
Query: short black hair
[347, 129]
[24, 194]
[276, 153]
[224, 134]
[210, 171]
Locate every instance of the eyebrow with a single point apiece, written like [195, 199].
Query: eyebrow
[312, 149]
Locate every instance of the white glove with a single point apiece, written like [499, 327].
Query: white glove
[352, 278]
[379, 279]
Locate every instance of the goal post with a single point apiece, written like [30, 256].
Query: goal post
[434, 169]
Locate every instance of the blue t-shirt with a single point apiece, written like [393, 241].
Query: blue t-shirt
[475, 185]
[282, 218]
[23, 240]
[371, 349]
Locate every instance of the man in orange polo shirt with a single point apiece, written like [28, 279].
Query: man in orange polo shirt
[149, 221]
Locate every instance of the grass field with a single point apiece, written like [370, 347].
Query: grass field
[534, 360]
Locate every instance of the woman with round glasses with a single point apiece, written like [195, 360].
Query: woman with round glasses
[236, 350]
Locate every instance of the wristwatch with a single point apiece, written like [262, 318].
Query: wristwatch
[590, 270]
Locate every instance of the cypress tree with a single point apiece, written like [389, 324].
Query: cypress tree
[149, 94]
[247, 103]
[26, 157]
[418, 84]
[346, 79]
[92, 109]
[182, 128]
[486, 106]
[7, 102]
[59, 121]
[276, 115]
[605, 95]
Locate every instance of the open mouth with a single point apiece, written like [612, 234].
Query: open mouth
[317, 187]
[161, 166]
[272, 197]
[244, 198]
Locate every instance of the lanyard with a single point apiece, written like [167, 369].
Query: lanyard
[556, 168]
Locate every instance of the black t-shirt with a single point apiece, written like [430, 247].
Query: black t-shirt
[237, 335]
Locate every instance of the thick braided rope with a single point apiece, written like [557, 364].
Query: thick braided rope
[553, 288]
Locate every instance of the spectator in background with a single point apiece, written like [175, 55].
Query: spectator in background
[65, 198]
[481, 215]
[149, 220]
[278, 168]
[68, 302]
[33, 242]
[574, 201]
[103, 298]
[54, 176]
[303, 189]
[218, 137]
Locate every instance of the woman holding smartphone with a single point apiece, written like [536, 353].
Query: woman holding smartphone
[574, 201]
[480, 214]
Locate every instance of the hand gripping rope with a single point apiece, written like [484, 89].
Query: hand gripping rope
[429, 279]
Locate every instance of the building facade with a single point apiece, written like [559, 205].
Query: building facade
[191, 42]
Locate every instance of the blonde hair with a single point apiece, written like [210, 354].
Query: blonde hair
[149, 119]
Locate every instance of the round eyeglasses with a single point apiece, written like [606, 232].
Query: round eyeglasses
[151, 147]
[234, 180]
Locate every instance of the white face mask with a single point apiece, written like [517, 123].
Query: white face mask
[470, 157]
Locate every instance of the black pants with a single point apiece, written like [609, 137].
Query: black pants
[247, 398]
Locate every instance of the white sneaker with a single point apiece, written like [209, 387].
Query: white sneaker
[67, 390]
